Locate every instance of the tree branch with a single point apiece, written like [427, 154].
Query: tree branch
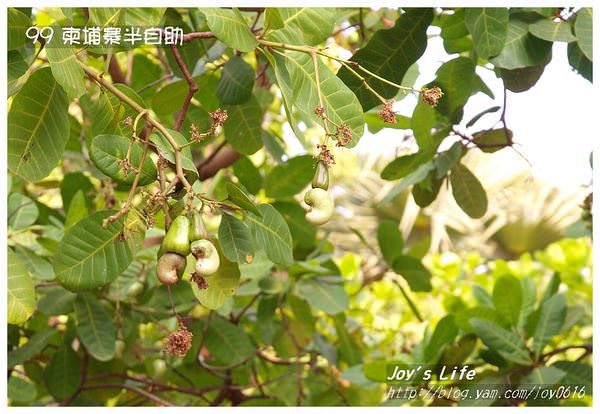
[115, 71]
[192, 88]
[226, 157]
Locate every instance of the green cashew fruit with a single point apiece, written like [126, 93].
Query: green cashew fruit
[135, 289]
[177, 239]
[197, 229]
[159, 367]
[320, 206]
[207, 257]
[169, 268]
[321, 178]
[119, 348]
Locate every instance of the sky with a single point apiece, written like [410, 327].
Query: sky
[551, 122]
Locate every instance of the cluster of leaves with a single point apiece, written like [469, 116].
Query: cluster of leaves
[284, 320]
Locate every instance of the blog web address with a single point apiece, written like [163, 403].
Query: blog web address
[488, 392]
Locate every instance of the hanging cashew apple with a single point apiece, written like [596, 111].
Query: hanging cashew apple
[319, 202]
[175, 245]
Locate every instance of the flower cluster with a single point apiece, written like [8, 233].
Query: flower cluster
[387, 113]
[179, 342]
[325, 155]
[432, 96]
[344, 135]
[218, 118]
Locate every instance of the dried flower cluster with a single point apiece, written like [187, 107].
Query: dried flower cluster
[195, 133]
[320, 111]
[325, 155]
[179, 342]
[199, 281]
[432, 96]
[218, 118]
[387, 113]
[344, 135]
[126, 166]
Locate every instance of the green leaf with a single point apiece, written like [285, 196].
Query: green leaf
[38, 266]
[468, 191]
[492, 140]
[444, 333]
[389, 54]
[340, 103]
[414, 177]
[528, 302]
[348, 349]
[291, 177]
[221, 285]
[454, 32]
[90, 256]
[56, 301]
[411, 269]
[230, 27]
[446, 160]
[107, 151]
[38, 127]
[376, 124]
[463, 317]
[65, 67]
[17, 24]
[248, 175]
[303, 234]
[521, 48]
[551, 31]
[236, 82]
[576, 372]
[272, 234]
[303, 26]
[95, 327]
[166, 150]
[239, 197]
[243, 127]
[284, 81]
[18, 69]
[552, 317]
[77, 210]
[36, 344]
[458, 81]
[273, 19]
[391, 241]
[62, 373]
[508, 298]
[579, 62]
[71, 184]
[329, 298]
[108, 112]
[21, 291]
[543, 375]
[21, 389]
[506, 343]
[171, 97]
[402, 166]
[22, 211]
[477, 117]
[235, 238]
[520, 80]
[583, 31]
[425, 192]
[265, 311]
[227, 342]
[488, 26]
